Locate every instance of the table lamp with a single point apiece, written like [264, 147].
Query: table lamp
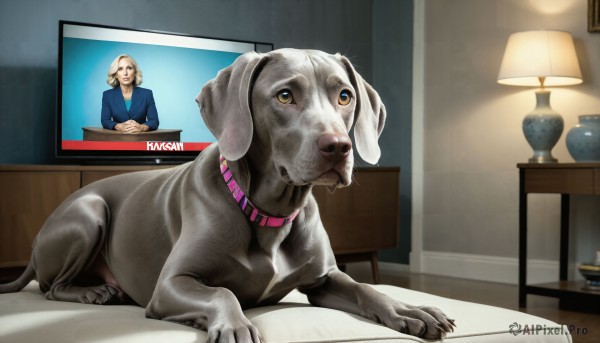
[541, 58]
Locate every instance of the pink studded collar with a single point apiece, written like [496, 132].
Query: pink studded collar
[252, 212]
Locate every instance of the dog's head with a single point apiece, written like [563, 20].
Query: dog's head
[292, 110]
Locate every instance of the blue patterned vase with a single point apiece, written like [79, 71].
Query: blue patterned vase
[583, 141]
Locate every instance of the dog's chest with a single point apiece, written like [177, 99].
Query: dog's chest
[262, 277]
[283, 274]
[280, 270]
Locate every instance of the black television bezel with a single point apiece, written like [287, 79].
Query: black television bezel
[122, 156]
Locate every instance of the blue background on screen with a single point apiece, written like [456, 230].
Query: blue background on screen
[175, 76]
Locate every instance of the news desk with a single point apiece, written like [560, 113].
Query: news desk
[160, 135]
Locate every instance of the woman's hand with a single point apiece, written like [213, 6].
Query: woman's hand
[131, 126]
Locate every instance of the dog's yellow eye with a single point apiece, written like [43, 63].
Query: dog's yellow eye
[285, 97]
[344, 98]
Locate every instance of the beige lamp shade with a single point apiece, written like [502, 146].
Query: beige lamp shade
[531, 55]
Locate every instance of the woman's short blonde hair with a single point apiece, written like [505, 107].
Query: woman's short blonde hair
[114, 67]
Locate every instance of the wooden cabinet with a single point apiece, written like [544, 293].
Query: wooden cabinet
[359, 219]
[362, 217]
[28, 197]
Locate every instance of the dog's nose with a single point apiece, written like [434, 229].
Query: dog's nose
[335, 146]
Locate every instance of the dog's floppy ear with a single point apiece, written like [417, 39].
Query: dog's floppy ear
[369, 117]
[225, 105]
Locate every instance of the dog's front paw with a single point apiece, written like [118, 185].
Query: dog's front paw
[436, 322]
[422, 321]
[241, 331]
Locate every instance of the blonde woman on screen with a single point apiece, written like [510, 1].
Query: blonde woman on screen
[127, 107]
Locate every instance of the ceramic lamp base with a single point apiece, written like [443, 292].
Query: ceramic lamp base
[541, 158]
[542, 129]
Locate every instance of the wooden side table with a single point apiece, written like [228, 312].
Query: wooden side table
[565, 179]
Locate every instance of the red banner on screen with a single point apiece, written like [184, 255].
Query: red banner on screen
[134, 146]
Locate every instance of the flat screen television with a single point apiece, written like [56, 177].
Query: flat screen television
[174, 66]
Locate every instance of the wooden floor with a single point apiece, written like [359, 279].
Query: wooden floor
[489, 293]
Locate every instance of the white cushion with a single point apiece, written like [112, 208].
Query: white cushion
[27, 316]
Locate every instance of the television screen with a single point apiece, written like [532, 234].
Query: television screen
[173, 67]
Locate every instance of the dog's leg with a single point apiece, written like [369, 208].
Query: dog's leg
[68, 245]
[183, 299]
[340, 292]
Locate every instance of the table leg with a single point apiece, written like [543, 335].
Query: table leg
[564, 236]
[522, 240]
[375, 268]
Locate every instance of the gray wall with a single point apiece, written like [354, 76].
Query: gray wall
[473, 135]
[375, 35]
[392, 77]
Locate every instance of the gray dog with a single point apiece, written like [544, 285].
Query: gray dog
[238, 227]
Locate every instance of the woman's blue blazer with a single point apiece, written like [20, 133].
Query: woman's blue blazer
[143, 110]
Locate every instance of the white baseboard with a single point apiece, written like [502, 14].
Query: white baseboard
[487, 268]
